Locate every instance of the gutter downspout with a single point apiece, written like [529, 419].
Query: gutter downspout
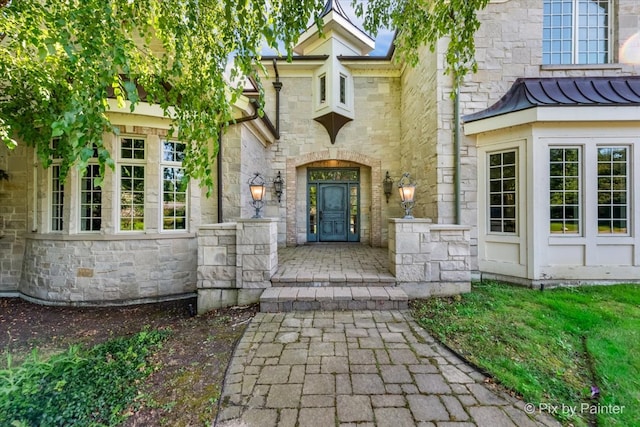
[277, 86]
[456, 149]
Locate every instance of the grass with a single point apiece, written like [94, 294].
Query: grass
[82, 387]
[550, 346]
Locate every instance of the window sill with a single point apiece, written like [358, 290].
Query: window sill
[562, 67]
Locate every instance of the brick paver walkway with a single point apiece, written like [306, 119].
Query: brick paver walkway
[356, 368]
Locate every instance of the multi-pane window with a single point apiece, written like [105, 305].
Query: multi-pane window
[576, 32]
[132, 177]
[57, 191]
[57, 199]
[613, 189]
[564, 194]
[343, 89]
[90, 199]
[502, 192]
[174, 187]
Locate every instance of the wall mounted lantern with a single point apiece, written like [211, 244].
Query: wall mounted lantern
[257, 188]
[4, 175]
[387, 185]
[278, 186]
[407, 191]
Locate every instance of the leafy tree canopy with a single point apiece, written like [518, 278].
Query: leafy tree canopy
[60, 60]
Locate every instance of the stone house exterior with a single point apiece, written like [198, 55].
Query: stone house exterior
[545, 185]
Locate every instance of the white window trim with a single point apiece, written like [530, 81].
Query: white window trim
[80, 177]
[629, 191]
[130, 162]
[517, 219]
[162, 164]
[581, 191]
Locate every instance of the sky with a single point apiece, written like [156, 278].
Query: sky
[383, 39]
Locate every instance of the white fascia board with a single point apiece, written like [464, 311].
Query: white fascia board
[555, 114]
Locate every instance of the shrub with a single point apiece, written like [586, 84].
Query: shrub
[81, 387]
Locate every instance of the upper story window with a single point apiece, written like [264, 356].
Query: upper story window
[576, 32]
[343, 89]
[323, 89]
[132, 177]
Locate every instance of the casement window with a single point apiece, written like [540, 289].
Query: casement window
[565, 190]
[56, 198]
[503, 192]
[131, 166]
[576, 32]
[613, 190]
[90, 199]
[343, 89]
[174, 188]
[323, 88]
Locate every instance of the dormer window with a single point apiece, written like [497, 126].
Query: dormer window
[343, 89]
[323, 89]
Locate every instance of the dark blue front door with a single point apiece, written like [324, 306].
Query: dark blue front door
[333, 205]
[333, 212]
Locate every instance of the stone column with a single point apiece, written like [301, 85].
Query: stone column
[257, 262]
[217, 261]
[429, 259]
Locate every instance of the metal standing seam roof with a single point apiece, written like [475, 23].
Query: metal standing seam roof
[564, 91]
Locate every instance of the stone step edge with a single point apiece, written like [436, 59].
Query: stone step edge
[284, 299]
[328, 284]
[336, 280]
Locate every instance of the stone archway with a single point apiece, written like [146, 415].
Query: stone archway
[340, 155]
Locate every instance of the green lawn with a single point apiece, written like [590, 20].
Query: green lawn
[550, 346]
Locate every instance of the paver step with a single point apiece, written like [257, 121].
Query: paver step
[337, 279]
[331, 298]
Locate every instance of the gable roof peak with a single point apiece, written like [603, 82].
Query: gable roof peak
[335, 6]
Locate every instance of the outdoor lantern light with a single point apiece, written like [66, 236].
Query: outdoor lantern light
[407, 191]
[256, 186]
[387, 184]
[278, 186]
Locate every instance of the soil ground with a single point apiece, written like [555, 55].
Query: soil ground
[184, 389]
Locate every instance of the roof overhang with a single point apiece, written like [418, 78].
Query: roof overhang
[560, 99]
[556, 114]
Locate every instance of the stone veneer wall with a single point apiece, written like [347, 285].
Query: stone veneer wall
[508, 46]
[83, 270]
[235, 262]
[429, 259]
[371, 140]
[14, 214]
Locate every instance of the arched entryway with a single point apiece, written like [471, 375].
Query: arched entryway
[365, 190]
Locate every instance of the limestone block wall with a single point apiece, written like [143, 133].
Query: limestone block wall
[217, 260]
[235, 262]
[14, 214]
[85, 270]
[429, 259]
[374, 134]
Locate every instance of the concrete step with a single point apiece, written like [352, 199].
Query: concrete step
[332, 298]
[331, 279]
